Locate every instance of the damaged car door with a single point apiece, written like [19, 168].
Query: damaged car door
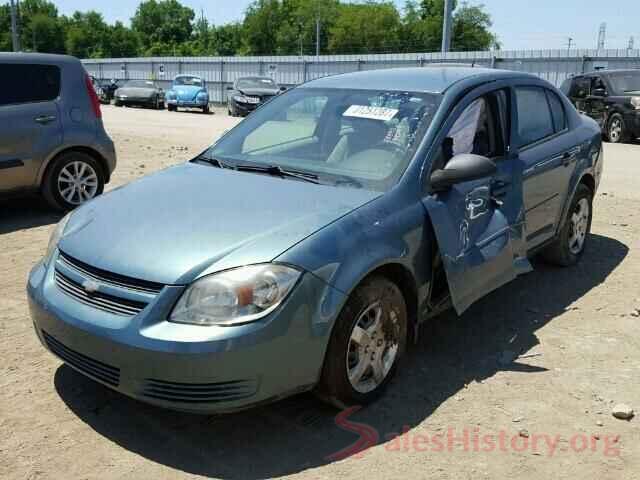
[474, 198]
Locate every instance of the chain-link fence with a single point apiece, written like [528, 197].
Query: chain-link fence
[220, 72]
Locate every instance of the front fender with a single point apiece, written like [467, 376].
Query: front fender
[380, 233]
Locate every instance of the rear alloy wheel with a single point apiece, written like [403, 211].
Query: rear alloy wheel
[366, 345]
[569, 246]
[617, 132]
[72, 180]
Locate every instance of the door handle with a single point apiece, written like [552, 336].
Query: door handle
[44, 119]
[567, 158]
[499, 188]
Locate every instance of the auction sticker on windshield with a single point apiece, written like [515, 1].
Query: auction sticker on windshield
[374, 113]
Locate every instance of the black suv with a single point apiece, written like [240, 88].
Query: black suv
[610, 97]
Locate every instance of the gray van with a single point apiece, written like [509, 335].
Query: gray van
[52, 139]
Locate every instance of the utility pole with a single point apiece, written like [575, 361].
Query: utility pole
[602, 35]
[446, 27]
[14, 27]
[569, 42]
[318, 37]
[631, 42]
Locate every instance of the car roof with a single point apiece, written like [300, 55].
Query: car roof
[187, 75]
[416, 79]
[48, 58]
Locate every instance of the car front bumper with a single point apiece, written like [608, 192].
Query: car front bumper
[188, 103]
[185, 367]
[244, 108]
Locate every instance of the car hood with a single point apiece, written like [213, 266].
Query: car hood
[187, 92]
[137, 92]
[259, 91]
[173, 226]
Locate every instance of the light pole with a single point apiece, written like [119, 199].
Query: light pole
[446, 27]
[14, 28]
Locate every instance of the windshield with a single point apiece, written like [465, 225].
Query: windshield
[139, 84]
[188, 81]
[625, 82]
[363, 138]
[255, 83]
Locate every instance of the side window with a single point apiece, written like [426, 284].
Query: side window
[580, 87]
[597, 84]
[534, 116]
[28, 83]
[479, 129]
[557, 112]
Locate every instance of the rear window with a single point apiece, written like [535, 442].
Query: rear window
[24, 83]
[534, 116]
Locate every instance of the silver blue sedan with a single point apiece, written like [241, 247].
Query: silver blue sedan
[305, 247]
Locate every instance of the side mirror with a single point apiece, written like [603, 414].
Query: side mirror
[599, 92]
[283, 89]
[229, 88]
[462, 168]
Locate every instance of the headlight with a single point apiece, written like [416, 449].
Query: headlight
[635, 101]
[235, 296]
[55, 238]
[245, 99]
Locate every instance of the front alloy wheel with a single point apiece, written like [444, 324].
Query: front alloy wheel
[617, 130]
[372, 350]
[366, 345]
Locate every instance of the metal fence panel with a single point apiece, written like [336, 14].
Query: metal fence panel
[220, 72]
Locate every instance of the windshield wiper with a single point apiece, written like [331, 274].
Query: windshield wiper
[278, 171]
[216, 162]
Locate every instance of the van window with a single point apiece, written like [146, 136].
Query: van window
[28, 83]
[534, 116]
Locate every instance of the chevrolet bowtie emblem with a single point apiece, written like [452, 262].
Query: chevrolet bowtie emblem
[90, 286]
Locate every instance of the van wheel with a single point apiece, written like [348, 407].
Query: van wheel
[617, 130]
[568, 248]
[366, 346]
[73, 179]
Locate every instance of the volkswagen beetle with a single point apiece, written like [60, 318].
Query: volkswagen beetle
[188, 91]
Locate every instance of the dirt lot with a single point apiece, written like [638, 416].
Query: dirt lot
[547, 415]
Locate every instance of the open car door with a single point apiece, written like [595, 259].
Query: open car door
[478, 224]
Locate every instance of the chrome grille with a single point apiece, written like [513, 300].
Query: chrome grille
[93, 368]
[109, 277]
[102, 301]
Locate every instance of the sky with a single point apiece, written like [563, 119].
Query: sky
[519, 24]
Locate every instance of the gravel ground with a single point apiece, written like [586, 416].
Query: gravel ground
[468, 407]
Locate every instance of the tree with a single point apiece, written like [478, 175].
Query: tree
[162, 26]
[228, 39]
[122, 42]
[422, 26]
[5, 29]
[41, 30]
[87, 35]
[366, 28]
[471, 32]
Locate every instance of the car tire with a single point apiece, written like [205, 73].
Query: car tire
[205, 109]
[616, 129]
[366, 346]
[60, 174]
[568, 248]
[117, 103]
[171, 108]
